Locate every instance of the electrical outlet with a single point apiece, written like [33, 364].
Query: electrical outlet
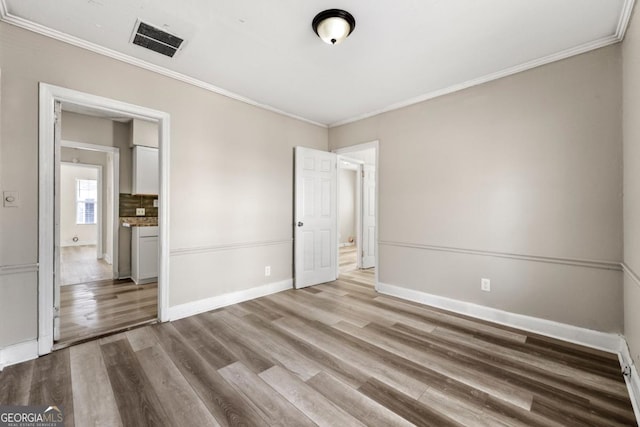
[485, 285]
[139, 211]
[267, 271]
[155, 203]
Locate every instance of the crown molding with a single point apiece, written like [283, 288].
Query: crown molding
[623, 23]
[5, 16]
[625, 18]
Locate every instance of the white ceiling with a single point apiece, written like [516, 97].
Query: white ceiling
[401, 52]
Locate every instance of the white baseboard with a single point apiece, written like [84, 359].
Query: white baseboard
[73, 244]
[17, 353]
[107, 259]
[587, 337]
[208, 304]
[632, 380]
[613, 343]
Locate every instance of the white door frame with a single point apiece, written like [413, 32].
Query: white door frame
[115, 195]
[48, 95]
[359, 147]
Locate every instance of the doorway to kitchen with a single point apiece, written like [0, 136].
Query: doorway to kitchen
[74, 304]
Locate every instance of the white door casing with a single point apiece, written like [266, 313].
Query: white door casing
[48, 95]
[57, 139]
[315, 217]
[368, 216]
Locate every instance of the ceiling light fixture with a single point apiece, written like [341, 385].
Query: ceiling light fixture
[333, 25]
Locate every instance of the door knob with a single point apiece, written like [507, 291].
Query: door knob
[300, 223]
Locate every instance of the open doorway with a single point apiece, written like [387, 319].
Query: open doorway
[95, 287]
[348, 213]
[357, 212]
[75, 305]
[83, 255]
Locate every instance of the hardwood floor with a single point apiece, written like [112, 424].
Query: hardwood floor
[336, 354]
[347, 258]
[97, 308]
[79, 264]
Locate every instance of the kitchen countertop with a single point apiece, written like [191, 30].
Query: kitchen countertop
[138, 221]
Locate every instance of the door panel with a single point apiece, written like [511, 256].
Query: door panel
[368, 217]
[316, 217]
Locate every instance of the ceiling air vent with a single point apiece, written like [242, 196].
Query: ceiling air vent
[155, 39]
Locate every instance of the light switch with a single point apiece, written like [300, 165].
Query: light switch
[10, 199]
[139, 211]
[155, 203]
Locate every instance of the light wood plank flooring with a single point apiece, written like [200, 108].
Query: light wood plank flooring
[347, 258]
[97, 308]
[336, 354]
[79, 264]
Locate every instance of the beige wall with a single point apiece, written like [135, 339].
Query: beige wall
[529, 165]
[231, 174]
[631, 103]
[98, 131]
[347, 205]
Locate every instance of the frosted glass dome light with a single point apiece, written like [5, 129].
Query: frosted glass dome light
[333, 25]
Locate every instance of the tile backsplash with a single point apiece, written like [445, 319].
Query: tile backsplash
[129, 203]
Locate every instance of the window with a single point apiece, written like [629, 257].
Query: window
[86, 201]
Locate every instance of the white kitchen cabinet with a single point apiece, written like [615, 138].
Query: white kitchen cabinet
[144, 133]
[144, 254]
[145, 171]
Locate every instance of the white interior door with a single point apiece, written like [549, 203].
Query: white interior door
[368, 216]
[57, 139]
[315, 216]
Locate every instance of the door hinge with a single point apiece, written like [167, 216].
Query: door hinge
[362, 171]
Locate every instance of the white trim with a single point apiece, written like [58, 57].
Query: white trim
[345, 244]
[625, 17]
[75, 41]
[48, 95]
[632, 380]
[632, 274]
[587, 337]
[587, 47]
[599, 264]
[18, 269]
[621, 29]
[228, 247]
[196, 307]
[360, 147]
[17, 353]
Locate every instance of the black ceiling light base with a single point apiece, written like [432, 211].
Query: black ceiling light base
[333, 13]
